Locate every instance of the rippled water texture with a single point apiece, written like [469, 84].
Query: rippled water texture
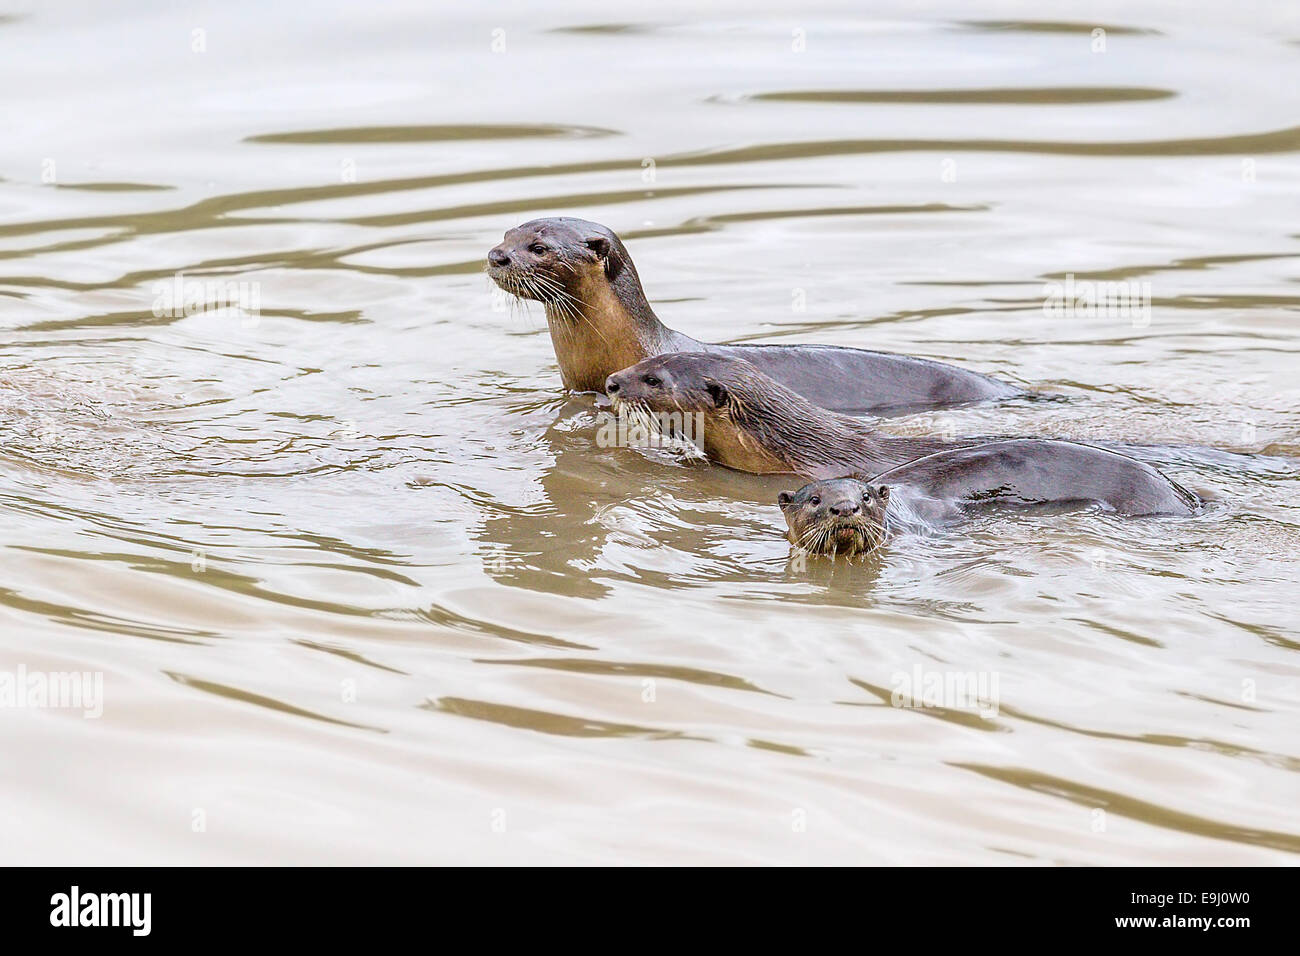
[362, 586]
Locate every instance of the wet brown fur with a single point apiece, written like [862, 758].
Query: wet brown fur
[601, 321]
[754, 424]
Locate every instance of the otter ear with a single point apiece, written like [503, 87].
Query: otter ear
[717, 391]
[883, 493]
[604, 250]
[784, 499]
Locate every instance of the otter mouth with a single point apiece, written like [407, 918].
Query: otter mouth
[642, 427]
[843, 538]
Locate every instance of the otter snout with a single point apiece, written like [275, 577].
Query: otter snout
[845, 508]
[498, 257]
[646, 381]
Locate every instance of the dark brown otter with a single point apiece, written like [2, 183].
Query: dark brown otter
[749, 422]
[840, 517]
[601, 322]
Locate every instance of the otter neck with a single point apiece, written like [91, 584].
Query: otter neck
[820, 444]
[609, 327]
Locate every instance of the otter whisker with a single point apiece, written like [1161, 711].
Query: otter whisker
[566, 305]
[596, 329]
[544, 283]
[516, 288]
[553, 288]
[805, 539]
[647, 429]
[573, 310]
[569, 305]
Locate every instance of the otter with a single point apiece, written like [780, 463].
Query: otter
[600, 321]
[747, 421]
[750, 422]
[840, 517]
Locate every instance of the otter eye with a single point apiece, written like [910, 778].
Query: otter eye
[537, 249]
[652, 381]
[866, 496]
[814, 501]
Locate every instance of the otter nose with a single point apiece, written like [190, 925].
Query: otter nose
[611, 385]
[851, 508]
[498, 257]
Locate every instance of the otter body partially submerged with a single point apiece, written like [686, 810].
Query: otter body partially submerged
[850, 516]
[600, 321]
[1037, 473]
[751, 423]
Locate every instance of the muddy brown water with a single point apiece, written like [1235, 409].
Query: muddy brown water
[361, 584]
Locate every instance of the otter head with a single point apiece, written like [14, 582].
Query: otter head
[707, 397]
[597, 312]
[841, 516]
[676, 382]
[740, 416]
[559, 262]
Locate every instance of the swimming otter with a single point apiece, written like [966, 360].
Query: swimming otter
[749, 422]
[601, 322]
[842, 516]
